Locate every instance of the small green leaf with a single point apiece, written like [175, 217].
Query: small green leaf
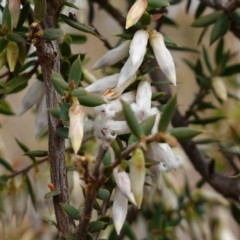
[71, 236]
[200, 9]
[6, 164]
[207, 120]
[22, 54]
[65, 67]
[158, 3]
[64, 109]
[184, 133]
[78, 38]
[107, 159]
[96, 226]
[62, 132]
[179, 48]
[71, 5]
[146, 125]
[3, 43]
[132, 121]
[91, 100]
[146, 19]
[79, 92]
[6, 109]
[128, 231]
[6, 18]
[25, 149]
[202, 35]
[220, 28]
[158, 95]
[75, 72]
[207, 19]
[117, 149]
[37, 153]
[59, 83]
[65, 49]
[167, 114]
[78, 25]
[52, 34]
[23, 15]
[71, 211]
[230, 70]
[40, 10]
[206, 59]
[219, 51]
[31, 192]
[15, 37]
[103, 194]
[54, 112]
[51, 194]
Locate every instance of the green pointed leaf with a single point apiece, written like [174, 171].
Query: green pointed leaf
[207, 19]
[62, 132]
[78, 25]
[96, 226]
[37, 153]
[65, 49]
[71, 236]
[65, 67]
[64, 109]
[31, 192]
[158, 3]
[54, 112]
[71, 211]
[200, 10]
[107, 159]
[40, 10]
[220, 28]
[15, 37]
[103, 194]
[22, 54]
[168, 21]
[128, 231]
[52, 34]
[132, 121]
[6, 109]
[202, 35]
[25, 149]
[78, 38]
[179, 48]
[52, 194]
[6, 164]
[207, 60]
[184, 133]
[167, 114]
[116, 148]
[79, 92]
[146, 19]
[230, 70]
[91, 100]
[6, 18]
[75, 72]
[23, 15]
[59, 83]
[68, 4]
[3, 43]
[207, 120]
[158, 95]
[219, 51]
[146, 125]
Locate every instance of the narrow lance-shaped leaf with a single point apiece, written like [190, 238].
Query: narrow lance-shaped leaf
[219, 51]
[71, 211]
[158, 3]
[15, 37]
[132, 121]
[71, 5]
[25, 149]
[52, 34]
[207, 19]
[31, 192]
[207, 120]
[75, 72]
[96, 226]
[6, 164]
[52, 194]
[184, 133]
[59, 83]
[62, 132]
[167, 114]
[220, 28]
[37, 153]
[206, 59]
[90, 100]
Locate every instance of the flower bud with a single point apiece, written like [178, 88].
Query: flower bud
[137, 175]
[14, 8]
[138, 46]
[12, 55]
[136, 12]
[113, 56]
[219, 88]
[163, 56]
[76, 116]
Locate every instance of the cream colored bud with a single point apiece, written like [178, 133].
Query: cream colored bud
[136, 12]
[219, 88]
[137, 175]
[12, 55]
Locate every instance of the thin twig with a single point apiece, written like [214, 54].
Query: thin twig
[26, 169]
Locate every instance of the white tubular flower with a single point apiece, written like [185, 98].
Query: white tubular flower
[109, 129]
[136, 12]
[123, 182]
[137, 175]
[219, 88]
[114, 107]
[101, 85]
[142, 107]
[119, 210]
[33, 96]
[163, 56]
[123, 83]
[41, 117]
[138, 46]
[76, 116]
[163, 153]
[113, 56]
